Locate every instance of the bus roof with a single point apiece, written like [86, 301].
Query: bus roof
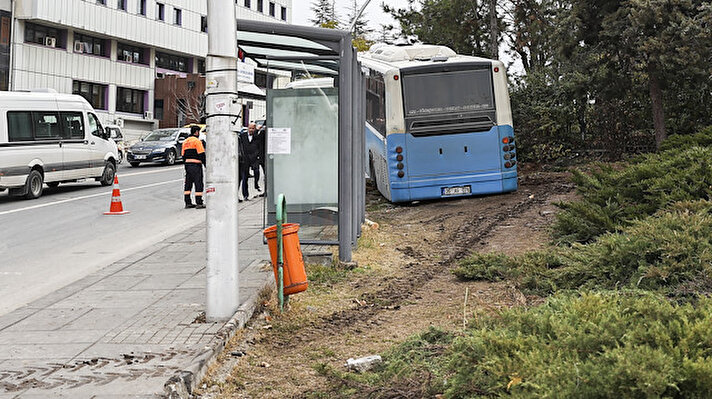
[384, 57]
[10, 97]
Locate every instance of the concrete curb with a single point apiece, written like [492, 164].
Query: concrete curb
[182, 384]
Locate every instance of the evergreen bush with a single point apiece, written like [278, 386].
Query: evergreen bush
[677, 141]
[597, 345]
[613, 198]
[670, 252]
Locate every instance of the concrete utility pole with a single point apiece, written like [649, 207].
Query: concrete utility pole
[222, 177]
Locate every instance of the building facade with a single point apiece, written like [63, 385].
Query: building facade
[112, 52]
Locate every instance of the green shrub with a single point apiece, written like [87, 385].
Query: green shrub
[602, 345]
[612, 199]
[677, 141]
[670, 252]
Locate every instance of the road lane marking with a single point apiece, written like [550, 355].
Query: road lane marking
[167, 169]
[85, 197]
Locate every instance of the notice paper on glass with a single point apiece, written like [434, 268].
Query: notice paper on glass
[279, 140]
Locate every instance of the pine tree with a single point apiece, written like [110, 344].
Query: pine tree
[360, 28]
[324, 14]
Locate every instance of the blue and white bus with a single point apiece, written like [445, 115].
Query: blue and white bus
[438, 124]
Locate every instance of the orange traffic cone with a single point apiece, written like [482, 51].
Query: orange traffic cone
[116, 207]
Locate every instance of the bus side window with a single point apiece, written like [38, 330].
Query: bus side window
[72, 125]
[19, 126]
[46, 125]
[376, 101]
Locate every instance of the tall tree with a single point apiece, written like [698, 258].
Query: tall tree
[384, 34]
[462, 25]
[361, 28]
[494, 30]
[324, 14]
[653, 43]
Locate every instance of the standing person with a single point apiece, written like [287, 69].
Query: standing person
[243, 168]
[252, 153]
[193, 154]
[262, 142]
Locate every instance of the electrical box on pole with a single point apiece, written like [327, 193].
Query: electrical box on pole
[221, 189]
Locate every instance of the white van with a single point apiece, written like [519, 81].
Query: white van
[51, 138]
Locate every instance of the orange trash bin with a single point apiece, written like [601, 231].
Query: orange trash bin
[294, 276]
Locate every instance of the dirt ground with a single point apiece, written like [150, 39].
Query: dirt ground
[403, 284]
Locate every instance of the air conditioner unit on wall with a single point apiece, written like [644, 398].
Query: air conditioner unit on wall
[147, 115]
[78, 47]
[50, 41]
[128, 58]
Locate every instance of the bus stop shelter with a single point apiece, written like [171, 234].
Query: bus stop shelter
[315, 129]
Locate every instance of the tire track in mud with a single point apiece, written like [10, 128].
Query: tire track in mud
[475, 223]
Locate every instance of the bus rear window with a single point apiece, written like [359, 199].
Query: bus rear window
[445, 92]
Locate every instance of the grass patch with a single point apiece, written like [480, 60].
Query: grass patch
[670, 253]
[417, 367]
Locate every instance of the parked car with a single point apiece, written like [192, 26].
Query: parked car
[118, 137]
[162, 145]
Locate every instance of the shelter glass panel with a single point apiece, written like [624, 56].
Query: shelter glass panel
[309, 174]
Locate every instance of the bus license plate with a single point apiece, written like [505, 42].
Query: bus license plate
[457, 190]
[140, 157]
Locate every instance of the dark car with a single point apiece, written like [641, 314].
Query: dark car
[162, 145]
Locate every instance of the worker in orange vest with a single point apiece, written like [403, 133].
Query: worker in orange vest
[193, 154]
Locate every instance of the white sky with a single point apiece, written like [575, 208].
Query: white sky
[302, 13]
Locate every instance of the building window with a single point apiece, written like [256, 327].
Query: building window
[130, 100]
[102, 2]
[172, 62]
[92, 92]
[43, 35]
[121, 5]
[203, 23]
[133, 54]
[160, 11]
[177, 16]
[90, 45]
[284, 13]
[142, 7]
[271, 9]
[201, 66]
[158, 109]
[248, 3]
[260, 5]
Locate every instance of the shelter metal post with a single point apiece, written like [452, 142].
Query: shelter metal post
[345, 150]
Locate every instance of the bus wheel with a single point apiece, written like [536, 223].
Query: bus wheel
[372, 174]
[33, 186]
[107, 178]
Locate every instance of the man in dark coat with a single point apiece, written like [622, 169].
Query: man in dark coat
[243, 168]
[252, 147]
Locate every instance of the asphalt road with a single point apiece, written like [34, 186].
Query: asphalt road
[63, 236]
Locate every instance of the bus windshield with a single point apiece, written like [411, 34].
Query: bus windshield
[444, 92]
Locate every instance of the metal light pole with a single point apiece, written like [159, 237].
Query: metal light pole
[222, 177]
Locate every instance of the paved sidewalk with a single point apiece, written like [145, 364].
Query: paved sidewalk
[132, 327]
